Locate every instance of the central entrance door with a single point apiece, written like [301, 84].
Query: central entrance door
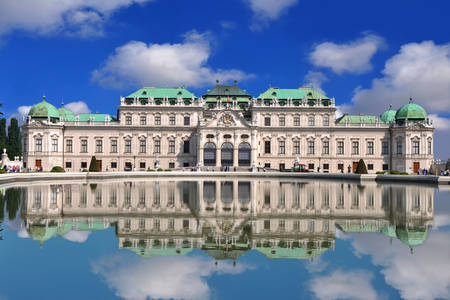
[209, 154]
[416, 166]
[355, 165]
[227, 154]
[244, 154]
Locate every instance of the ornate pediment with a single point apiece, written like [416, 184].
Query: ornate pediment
[227, 119]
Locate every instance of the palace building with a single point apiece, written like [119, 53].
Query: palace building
[171, 128]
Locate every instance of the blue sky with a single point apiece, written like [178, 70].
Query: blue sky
[366, 54]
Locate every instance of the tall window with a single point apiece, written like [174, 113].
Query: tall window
[158, 120]
[54, 145]
[340, 147]
[113, 146]
[326, 121]
[355, 147]
[171, 146]
[311, 121]
[128, 120]
[282, 121]
[282, 146]
[370, 147]
[172, 120]
[142, 146]
[429, 145]
[187, 120]
[266, 146]
[157, 146]
[127, 146]
[296, 121]
[84, 146]
[186, 147]
[143, 120]
[296, 147]
[399, 147]
[384, 148]
[415, 147]
[267, 121]
[69, 146]
[326, 147]
[99, 146]
[310, 147]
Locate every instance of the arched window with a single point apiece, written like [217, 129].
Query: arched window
[209, 154]
[227, 154]
[244, 154]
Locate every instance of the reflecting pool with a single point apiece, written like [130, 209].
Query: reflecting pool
[222, 238]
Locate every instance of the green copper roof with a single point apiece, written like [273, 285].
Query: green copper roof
[153, 252]
[291, 253]
[411, 236]
[95, 117]
[411, 111]
[356, 226]
[300, 93]
[388, 116]
[389, 231]
[226, 90]
[356, 119]
[157, 93]
[43, 110]
[66, 115]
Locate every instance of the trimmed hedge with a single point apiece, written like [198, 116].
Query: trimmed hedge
[85, 170]
[93, 167]
[57, 169]
[150, 170]
[160, 169]
[380, 172]
[361, 167]
[168, 170]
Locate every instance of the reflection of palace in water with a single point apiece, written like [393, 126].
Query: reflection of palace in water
[226, 218]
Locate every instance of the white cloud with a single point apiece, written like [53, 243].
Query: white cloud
[22, 112]
[137, 63]
[440, 122]
[74, 17]
[423, 275]
[344, 285]
[353, 57]
[180, 277]
[268, 10]
[78, 107]
[315, 80]
[77, 236]
[227, 25]
[317, 265]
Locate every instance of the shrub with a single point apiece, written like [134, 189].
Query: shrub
[394, 172]
[380, 172]
[57, 169]
[150, 170]
[93, 186]
[93, 167]
[2, 171]
[361, 167]
[404, 173]
[160, 170]
[168, 170]
[85, 170]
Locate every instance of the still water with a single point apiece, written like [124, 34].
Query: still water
[218, 239]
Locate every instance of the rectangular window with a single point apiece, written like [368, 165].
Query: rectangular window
[83, 165]
[171, 165]
[385, 167]
[99, 146]
[172, 120]
[54, 145]
[326, 147]
[326, 121]
[296, 147]
[429, 145]
[68, 164]
[311, 121]
[282, 121]
[326, 166]
[113, 165]
[266, 147]
[128, 146]
[84, 146]
[267, 165]
[185, 224]
[113, 198]
[384, 148]
[310, 147]
[355, 147]
[142, 146]
[266, 224]
[415, 147]
[158, 120]
[370, 167]
[296, 121]
[186, 147]
[399, 147]
[83, 197]
[128, 120]
[141, 223]
[69, 146]
[341, 167]
[340, 147]
[267, 121]
[38, 145]
[171, 146]
[157, 146]
[282, 147]
[143, 120]
[311, 167]
[370, 147]
[113, 146]
[142, 165]
[187, 120]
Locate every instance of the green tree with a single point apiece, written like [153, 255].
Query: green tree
[361, 167]
[3, 136]
[14, 139]
[12, 199]
[2, 207]
[93, 167]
